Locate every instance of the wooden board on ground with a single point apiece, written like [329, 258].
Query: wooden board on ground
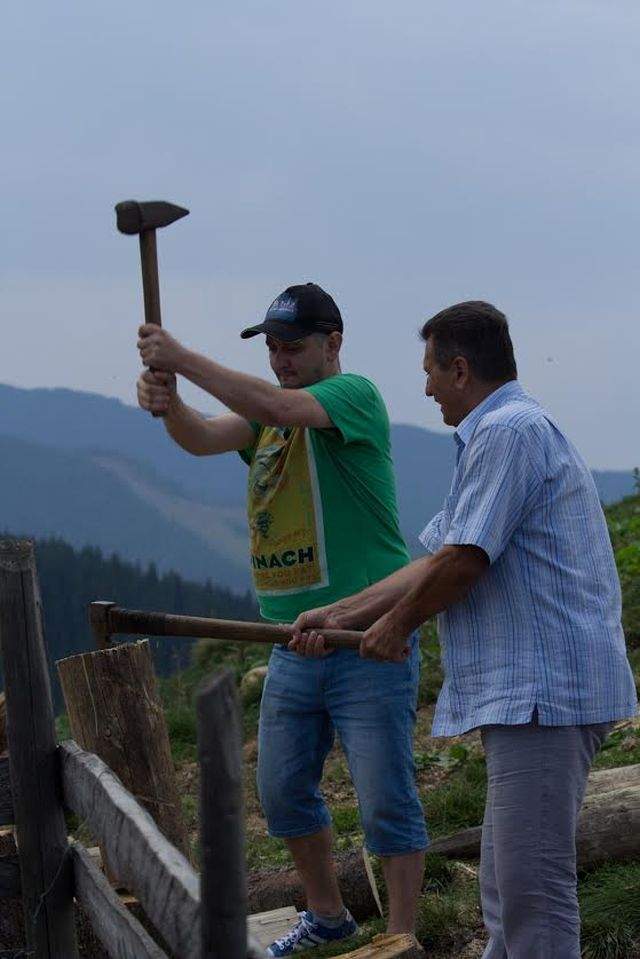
[267, 926]
[386, 946]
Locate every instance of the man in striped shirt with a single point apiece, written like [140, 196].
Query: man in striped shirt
[521, 572]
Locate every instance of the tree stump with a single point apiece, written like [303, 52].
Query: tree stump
[115, 712]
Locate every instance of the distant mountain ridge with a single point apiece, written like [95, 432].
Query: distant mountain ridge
[95, 471]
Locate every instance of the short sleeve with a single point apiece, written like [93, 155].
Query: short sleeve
[431, 536]
[248, 452]
[495, 492]
[354, 406]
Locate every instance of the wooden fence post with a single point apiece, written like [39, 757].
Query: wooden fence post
[45, 866]
[223, 888]
[114, 711]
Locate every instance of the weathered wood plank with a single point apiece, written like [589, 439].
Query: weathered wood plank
[389, 946]
[39, 817]
[148, 865]
[10, 884]
[114, 710]
[119, 932]
[3, 723]
[6, 799]
[223, 879]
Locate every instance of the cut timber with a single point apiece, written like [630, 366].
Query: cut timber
[275, 888]
[115, 712]
[386, 946]
[609, 828]
[3, 724]
[265, 927]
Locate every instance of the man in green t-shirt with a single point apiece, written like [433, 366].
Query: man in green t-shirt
[323, 524]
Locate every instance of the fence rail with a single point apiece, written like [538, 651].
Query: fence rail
[197, 916]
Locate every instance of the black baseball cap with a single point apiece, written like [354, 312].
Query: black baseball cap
[298, 312]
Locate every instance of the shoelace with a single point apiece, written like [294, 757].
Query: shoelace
[295, 935]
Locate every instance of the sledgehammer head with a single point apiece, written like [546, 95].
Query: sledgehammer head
[137, 217]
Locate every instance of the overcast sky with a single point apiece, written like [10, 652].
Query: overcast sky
[404, 155]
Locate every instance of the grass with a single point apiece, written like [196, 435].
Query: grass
[459, 801]
[610, 910]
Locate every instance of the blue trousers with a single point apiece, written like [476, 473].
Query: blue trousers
[372, 707]
[537, 780]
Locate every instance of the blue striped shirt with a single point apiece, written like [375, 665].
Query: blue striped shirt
[541, 627]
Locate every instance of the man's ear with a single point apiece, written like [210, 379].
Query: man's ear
[461, 371]
[334, 342]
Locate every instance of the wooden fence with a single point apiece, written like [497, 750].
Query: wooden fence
[196, 916]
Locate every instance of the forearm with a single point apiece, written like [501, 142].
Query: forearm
[247, 395]
[445, 580]
[362, 609]
[188, 428]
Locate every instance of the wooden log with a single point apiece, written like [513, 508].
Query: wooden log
[136, 621]
[115, 711]
[3, 724]
[119, 932]
[42, 837]
[608, 829]
[149, 866]
[605, 780]
[6, 799]
[223, 885]
[275, 888]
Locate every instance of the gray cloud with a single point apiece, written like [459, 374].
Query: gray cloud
[405, 156]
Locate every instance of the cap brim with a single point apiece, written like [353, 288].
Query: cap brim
[289, 332]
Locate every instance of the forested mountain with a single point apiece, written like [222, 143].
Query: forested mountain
[94, 471]
[70, 579]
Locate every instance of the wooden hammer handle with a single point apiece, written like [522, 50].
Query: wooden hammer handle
[150, 281]
[118, 620]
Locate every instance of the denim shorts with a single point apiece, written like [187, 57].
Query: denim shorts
[372, 707]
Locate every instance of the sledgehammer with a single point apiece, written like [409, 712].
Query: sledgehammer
[144, 218]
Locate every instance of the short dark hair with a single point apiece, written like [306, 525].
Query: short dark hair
[479, 332]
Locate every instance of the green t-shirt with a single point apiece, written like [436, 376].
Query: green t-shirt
[323, 518]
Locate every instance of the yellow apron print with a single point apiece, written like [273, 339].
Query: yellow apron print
[285, 514]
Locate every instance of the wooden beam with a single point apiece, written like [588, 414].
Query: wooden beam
[119, 932]
[6, 799]
[39, 817]
[147, 864]
[223, 883]
[135, 621]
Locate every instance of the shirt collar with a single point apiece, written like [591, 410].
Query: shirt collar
[500, 397]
